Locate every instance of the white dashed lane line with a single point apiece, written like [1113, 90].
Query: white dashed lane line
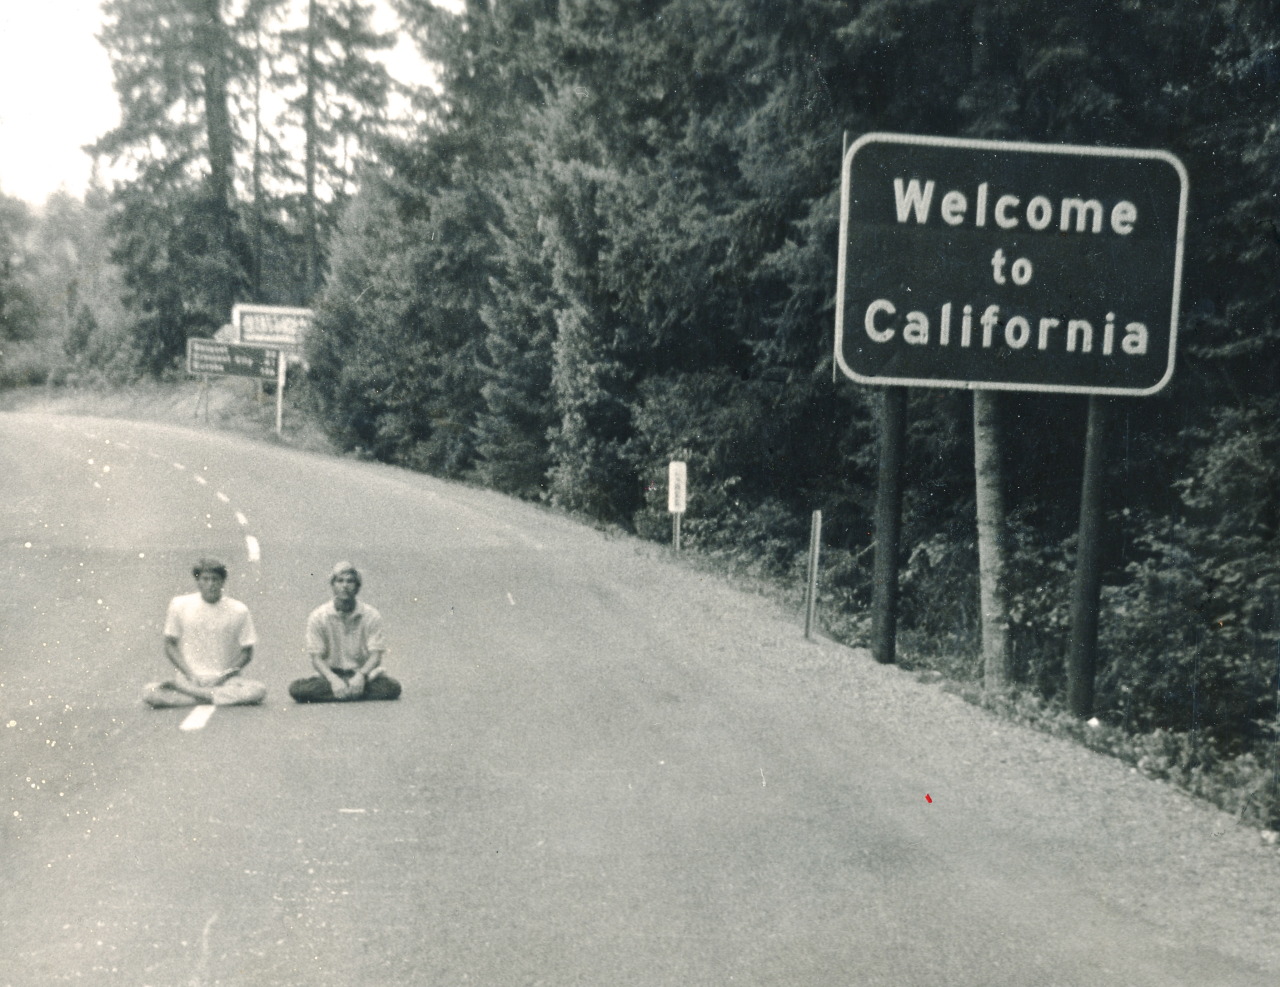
[197, 718]
[252, 546]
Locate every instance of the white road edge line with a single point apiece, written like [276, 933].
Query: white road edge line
[255, 551]
[197, 718]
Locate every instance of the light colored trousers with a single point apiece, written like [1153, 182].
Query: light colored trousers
[236, 691]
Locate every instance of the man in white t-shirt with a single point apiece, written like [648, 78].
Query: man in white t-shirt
[345, 643]
[209, 638]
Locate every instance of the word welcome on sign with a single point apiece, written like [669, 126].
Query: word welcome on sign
[986, 264]
[271, 325]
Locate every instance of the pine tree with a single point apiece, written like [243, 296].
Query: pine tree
[177, 232]
[19, 315]
[338, 100]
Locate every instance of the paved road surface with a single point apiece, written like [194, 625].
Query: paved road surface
[570, 791]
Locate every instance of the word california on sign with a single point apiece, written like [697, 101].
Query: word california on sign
[988, 264]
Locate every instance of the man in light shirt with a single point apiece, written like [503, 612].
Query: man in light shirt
[209, 639]
[346, 646]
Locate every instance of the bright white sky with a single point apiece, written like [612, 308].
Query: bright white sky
[56, 95]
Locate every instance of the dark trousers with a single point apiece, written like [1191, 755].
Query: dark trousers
[317, 690]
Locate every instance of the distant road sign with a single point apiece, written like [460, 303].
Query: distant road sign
[677, 483]
[988, 264]
[206, 356]
[271, 325]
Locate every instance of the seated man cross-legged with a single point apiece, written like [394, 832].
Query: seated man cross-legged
[209, 639]
[345, 644]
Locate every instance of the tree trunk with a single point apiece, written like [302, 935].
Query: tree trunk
[989, 481]
[256, 272]
[213, 44]
[310, 151]
[1082, 648]
[884, 592]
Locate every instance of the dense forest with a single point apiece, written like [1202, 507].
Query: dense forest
[607, 238]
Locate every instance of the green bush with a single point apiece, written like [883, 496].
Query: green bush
[939, 626]
[29, 364]
[1191, 639]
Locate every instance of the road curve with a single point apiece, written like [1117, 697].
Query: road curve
[606, 769]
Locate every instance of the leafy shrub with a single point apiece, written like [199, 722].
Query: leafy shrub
[938, 610]
[28, 364]
[1039, 578]
[1192, 639]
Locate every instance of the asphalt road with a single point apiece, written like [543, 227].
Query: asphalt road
[569, 792]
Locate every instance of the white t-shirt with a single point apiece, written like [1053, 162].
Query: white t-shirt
[210, 634]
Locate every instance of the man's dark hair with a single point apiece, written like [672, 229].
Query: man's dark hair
[210, 565]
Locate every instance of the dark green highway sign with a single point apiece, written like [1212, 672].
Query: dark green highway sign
[985, 264]
[207, 356]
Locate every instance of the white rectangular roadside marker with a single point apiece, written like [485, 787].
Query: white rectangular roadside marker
[677, 487]
[677, 484]
[197, 718]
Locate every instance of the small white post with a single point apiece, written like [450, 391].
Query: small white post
[281, 364]
[677, 484]
[815, 544]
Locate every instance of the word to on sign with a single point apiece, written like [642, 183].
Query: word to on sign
[987, 264]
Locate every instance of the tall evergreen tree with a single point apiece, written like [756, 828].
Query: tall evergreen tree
[338, 99]
[177, 232]
[256, 32]
[19, 315]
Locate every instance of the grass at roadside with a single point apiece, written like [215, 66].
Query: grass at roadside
[231, 404]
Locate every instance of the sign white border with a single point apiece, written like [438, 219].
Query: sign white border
[988, 145]
[242, 308]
